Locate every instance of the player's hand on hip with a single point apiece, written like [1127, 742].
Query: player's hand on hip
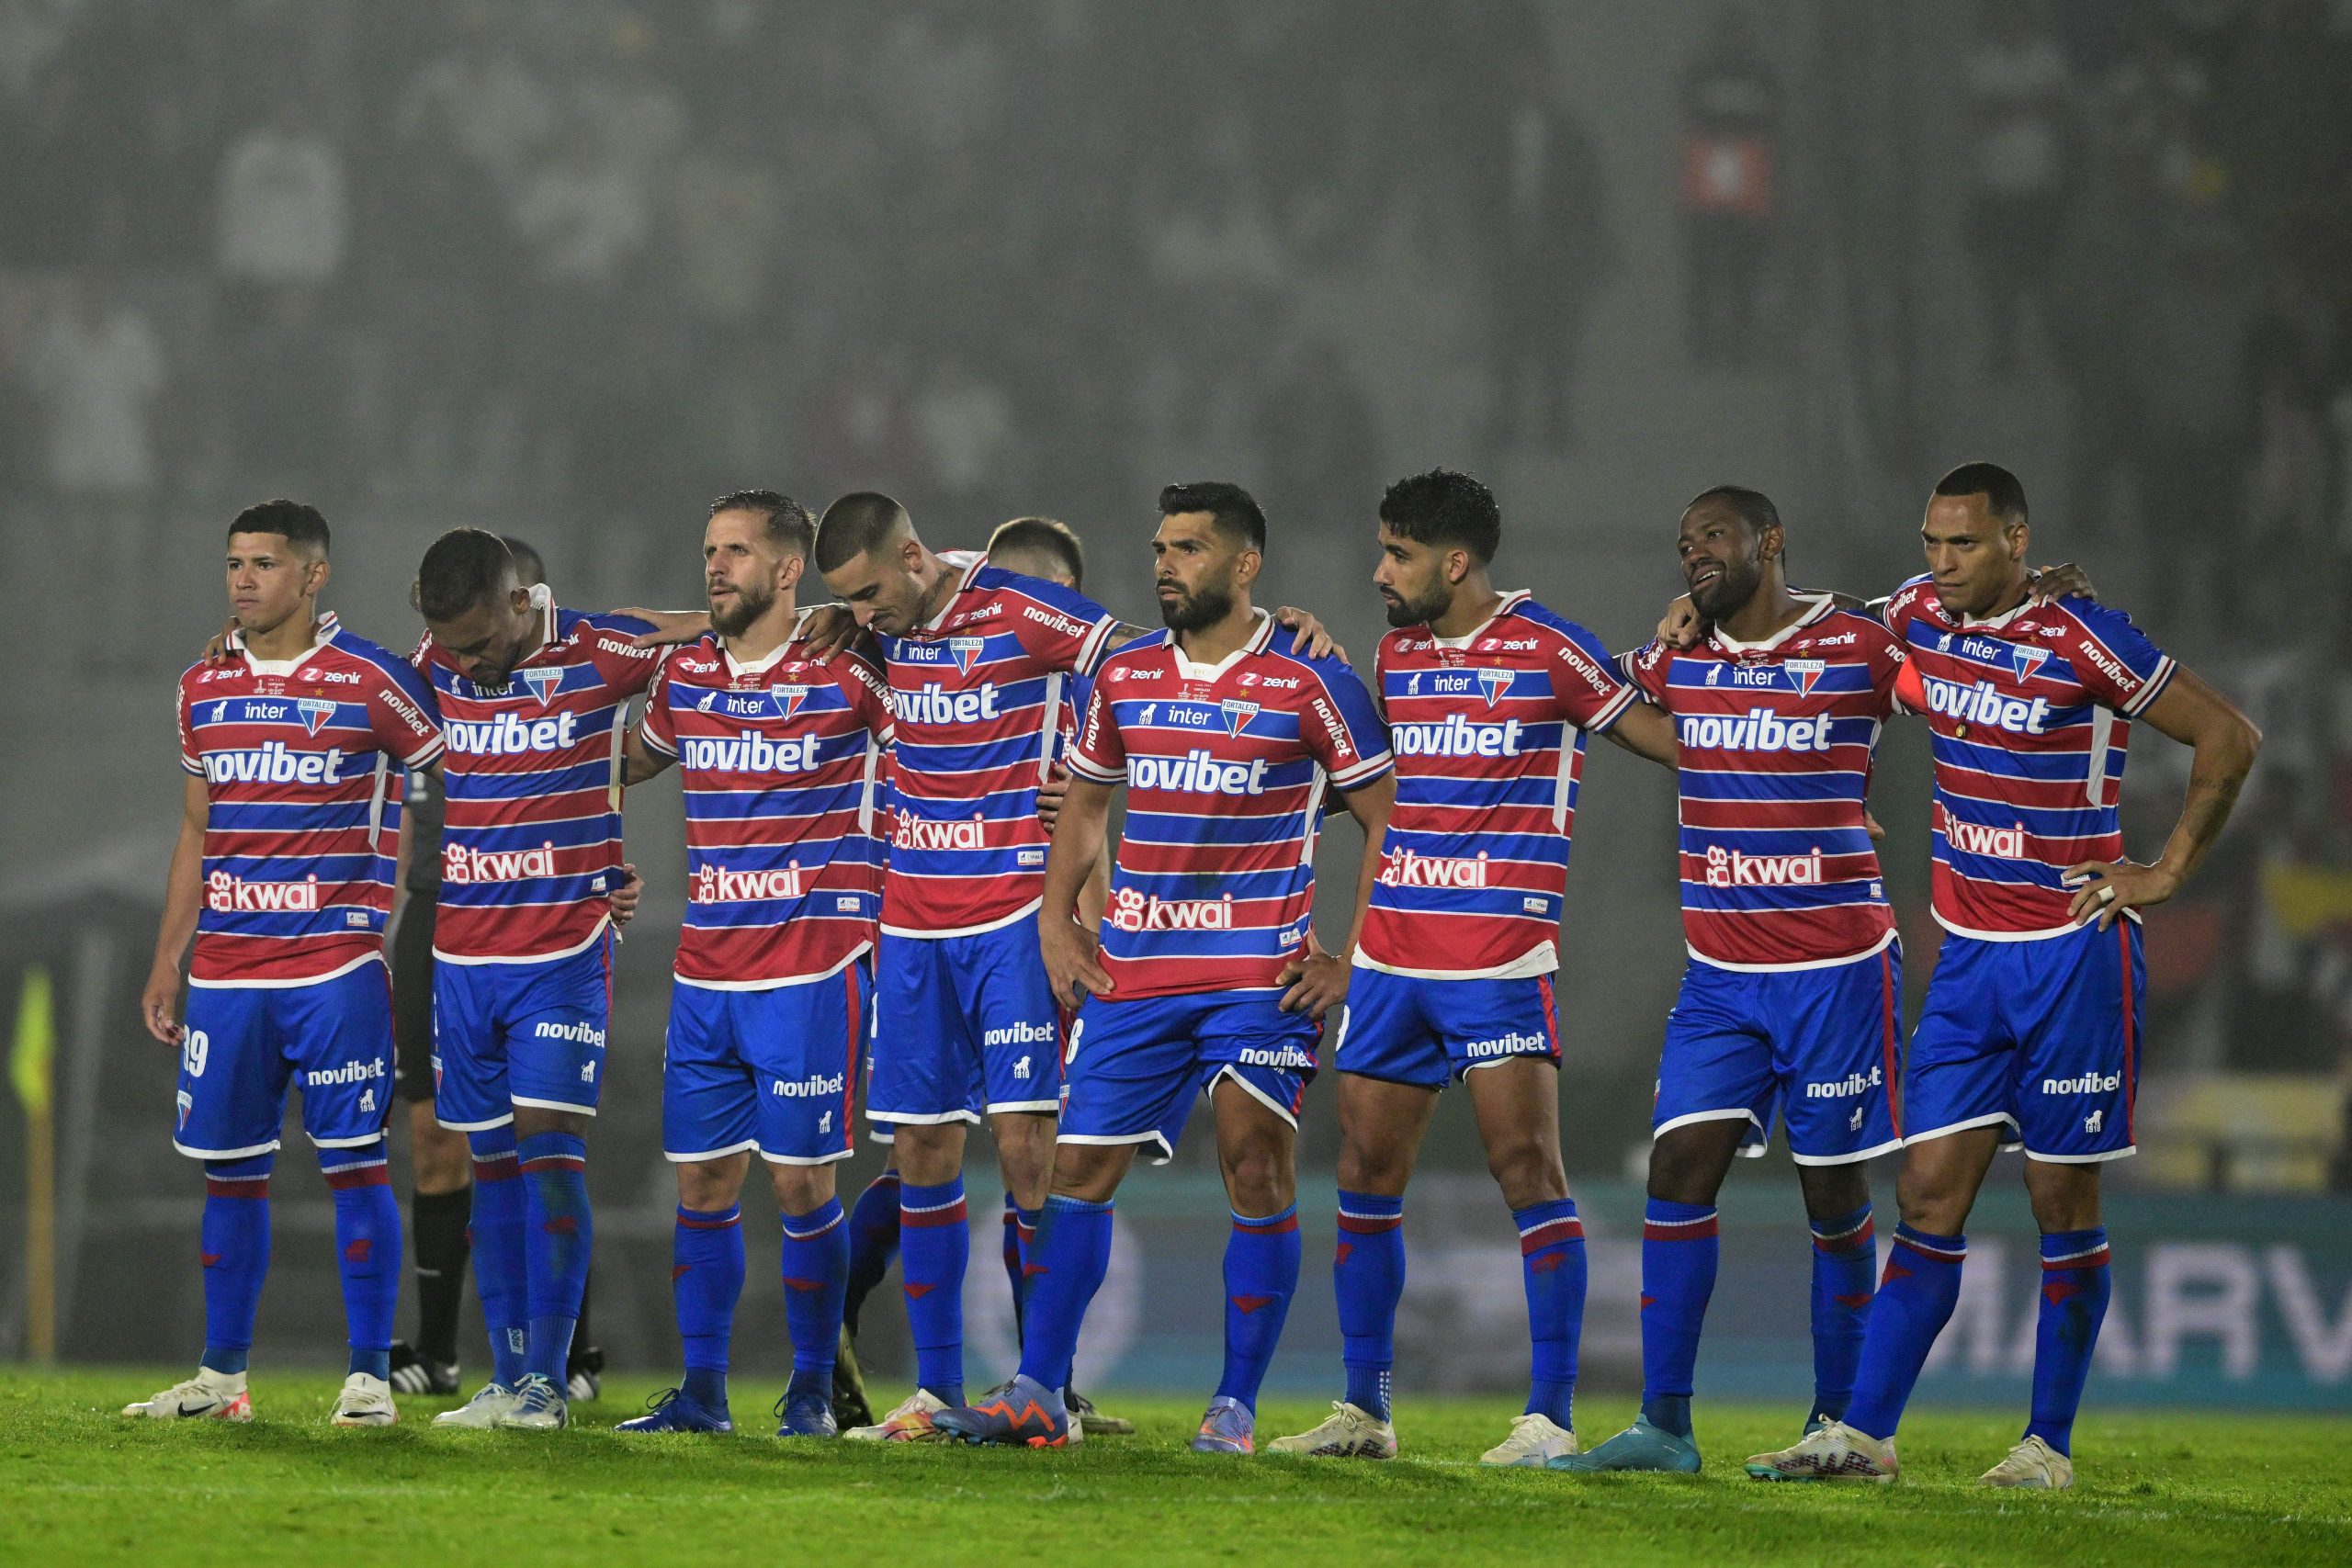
[669, 627]
[2107, 889]
[2053, 582]
[1312, 639]
[1680, 626]
[159, 1004]
[624, 899]
[1318, 982]
[1871, 825]
[1073, 960]
[1050, 795]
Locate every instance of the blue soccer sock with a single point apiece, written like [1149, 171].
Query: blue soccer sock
[935, 1247]
[1067, 1261]
[2076, 1283]
[705, 1282]
[1552, 1263]
[873, 1242]
[1368, 1277]
[816, 1271]
[1679, 1250]
[235, 1252]
[1845, 1257]
[367, 1250]
[501, 1266]
[1915, 1296]
[1261, 1277]
[558, 1234]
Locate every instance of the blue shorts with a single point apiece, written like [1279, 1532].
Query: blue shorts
[1420, 1031]
[773, 1070]
[962, 1025]
[2043, 1036]
[245, 1044]
[1822, 1047]
[1135, 1068]
[510, 1034]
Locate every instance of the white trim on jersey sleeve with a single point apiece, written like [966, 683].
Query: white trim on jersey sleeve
[1365, 772]
[1096, 648]
[2149, 692]
[1091, 772]
[1605, 719]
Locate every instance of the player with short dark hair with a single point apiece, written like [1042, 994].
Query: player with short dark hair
[2031, 1035]
[283, 876]
[1039, 547]
[1489, 698]
[1204, 979]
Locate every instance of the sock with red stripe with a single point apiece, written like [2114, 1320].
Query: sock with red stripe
[1368, 1277]
[935, 1247]
[1679, 1250]
[558, 1234]
[705, 1282]
[1844, 1259]
[1068, 1261]
[1261, 1277]
[816, 1268]
[2076, 1284]
[1915, 1296]
[1552, 1263]
[501, 1268]
[367, 1250]
[236, 1250]
[873, 1242]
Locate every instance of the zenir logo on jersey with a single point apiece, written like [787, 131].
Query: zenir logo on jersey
[544, 683]
[966, 649]
[1805, 673]
[1494, 683]
[315, 712]
[1237, 714]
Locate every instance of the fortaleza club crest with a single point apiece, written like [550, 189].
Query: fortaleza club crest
[788, 699]
[965, 650]
[1237, 715]
[543, 683]
[2025, 658]
[315, 712]
[1805, 673]
[1494, 683]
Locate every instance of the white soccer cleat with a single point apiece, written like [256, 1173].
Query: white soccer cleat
[539, 1406]
[2033, 1465]
[208, 1396]
[1833, 1452]
[909, 1422]
[366, 1401]
[1077, 1430]
[1536, 1441]
[481, 1411]
[1348, 1432]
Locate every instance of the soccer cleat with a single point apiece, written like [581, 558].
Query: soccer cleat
[1081, 1408]
[909, 1422]
[1815, 1422]
[1348, 1432]
[1834, 1453]
[673, 1411]
[2033, 1465]
[366, 1401]
[539, 1406]
[585, 1373]
[850, 1406]
[411, 1373]
[1227, 1426]
[1534, 1442]
[806, 1415]
[208, 1396]
[482, 1412]
[1023, 1413]
[1639, 1447]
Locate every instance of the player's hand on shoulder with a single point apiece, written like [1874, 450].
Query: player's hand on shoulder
[624, 899]
[2052, 583]
[1312, 638]
[669, 627]
[217, 650]
[829, 628]
[1073, 960]
[1680, 626]
[2104, 889]
[1317, 981]
[159, 1004]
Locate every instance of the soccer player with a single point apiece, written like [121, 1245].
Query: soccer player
[2031, 1033]
[778, 755]
[1204, 979]
[531, 696]
[1789, 999]
[1489, 698]
[282, 875]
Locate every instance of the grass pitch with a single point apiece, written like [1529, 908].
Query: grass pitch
[80, 1484]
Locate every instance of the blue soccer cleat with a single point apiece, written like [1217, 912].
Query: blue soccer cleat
[675, 1410]
[1227, 1426]
[1023, 1413]
[807, 1413]
[1640, 1447]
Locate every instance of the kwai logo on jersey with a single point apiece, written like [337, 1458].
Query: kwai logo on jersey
[273, 761]
[908, 832]
[1494, 683]
[1805, 673]
[2025, 658]
[715, 885]
[965, 650]
[315, 712]
[1456, 736]
[1980, 838]
[1134, 911]
[1237, 714]
[544, 683]
[511, 735]
[1730, 868]
[1403, 868]
[235, 894]
[1845, 1087]
[1984, 702]
[1757, 729]
[462, 864]
[1198, 772]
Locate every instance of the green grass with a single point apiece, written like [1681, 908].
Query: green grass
[79, 1484]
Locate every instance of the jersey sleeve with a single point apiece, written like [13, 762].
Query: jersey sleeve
[1890, 664]
[869, 695]
[626, 670]
[2113, 657]
[655, 725]
[1586, 685]
[1897, 608]
[189, 762]
[1341, 728]
[1063, 630]
[1647, 669]
[403, 714]
[1099, 752]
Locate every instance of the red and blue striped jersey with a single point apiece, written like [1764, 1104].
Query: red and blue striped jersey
[531, 834]
[300, 760]
[977, 695]
[1775, 741]
[779, 761]
[2030, 712]
[1225, 767]
[1488, 734]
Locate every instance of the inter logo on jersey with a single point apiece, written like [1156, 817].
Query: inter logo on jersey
[1237, 715]
[544, 683]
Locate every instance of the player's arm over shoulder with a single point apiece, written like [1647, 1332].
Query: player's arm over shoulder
[611, 641]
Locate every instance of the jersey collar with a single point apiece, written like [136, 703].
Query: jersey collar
[1259, 641]
[1822, 605]
[963, 586]
[323, 632]
[1511, 600]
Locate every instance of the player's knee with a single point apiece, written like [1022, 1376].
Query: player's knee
[1258, 1178]
[438, 1158]
[2065, 1196]
[1089, 1172]
[929, 1154]
[705, 1186]
[1374, 1168]
[1832, 1192]
[1528, 1170]
[801, 1189]
[351, 1156]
